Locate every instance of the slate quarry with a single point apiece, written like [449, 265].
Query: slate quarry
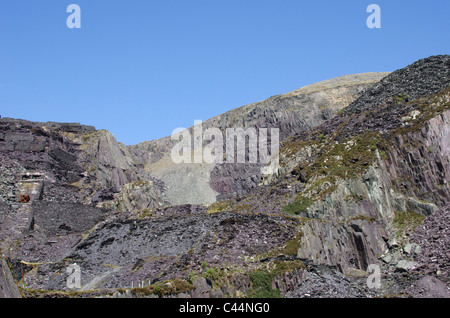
[363, 179]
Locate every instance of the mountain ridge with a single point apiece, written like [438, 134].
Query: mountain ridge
[291, 112]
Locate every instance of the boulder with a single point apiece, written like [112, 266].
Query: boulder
[406, 266]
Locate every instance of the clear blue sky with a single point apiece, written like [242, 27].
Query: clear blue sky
[141, 68]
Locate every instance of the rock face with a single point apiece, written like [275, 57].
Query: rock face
[291, 113]
[8, 285]
[400, 147]
[56, 218]
[78, 163]
[138, 196]
[359, 211]
[358, 188]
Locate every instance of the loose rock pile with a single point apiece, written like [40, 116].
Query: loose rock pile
[10, 170]
[434, 239]
[423, 78]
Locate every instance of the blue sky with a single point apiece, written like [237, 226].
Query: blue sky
[141, 68]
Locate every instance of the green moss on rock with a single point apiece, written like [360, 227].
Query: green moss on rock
[406, 223]
[299, 206]
[218, 207]
[262, 285]
[292, 246]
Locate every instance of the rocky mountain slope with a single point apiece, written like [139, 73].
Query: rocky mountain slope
[363, 181]
[293, 112]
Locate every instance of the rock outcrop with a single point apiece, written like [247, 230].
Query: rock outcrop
[291, 113]
[8, 286]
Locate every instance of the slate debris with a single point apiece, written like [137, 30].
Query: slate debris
[433, 237]
[422, 78]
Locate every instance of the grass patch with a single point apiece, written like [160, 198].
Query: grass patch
[406, 223]
[282, 267]
[261, 280]
[292, 246]
[262, 285]
[429, 107]
[218, 207]
[41, 293]
[336, 160]
[144, 213]
[170, 287]
[299, 206]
